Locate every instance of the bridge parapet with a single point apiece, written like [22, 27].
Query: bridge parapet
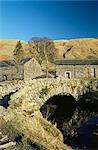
[38, 91]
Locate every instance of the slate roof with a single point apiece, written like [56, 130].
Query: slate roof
[25, 60]
[76, 62]
[10, 63]
[6, 63]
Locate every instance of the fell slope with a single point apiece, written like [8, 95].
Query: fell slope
[85, 48]
[77, 49]
[7, 47]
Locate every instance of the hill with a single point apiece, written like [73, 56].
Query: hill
[85, 48]
[7, 47]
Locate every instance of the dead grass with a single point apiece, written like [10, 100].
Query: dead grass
[81, 48]
[86, 48]
[39, 131]
[7, 47]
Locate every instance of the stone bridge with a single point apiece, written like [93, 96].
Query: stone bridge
[30, 96]
[38, 91]
[7, 87]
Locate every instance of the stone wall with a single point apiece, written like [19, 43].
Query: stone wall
[77, 71]
[11, 73]
[32, 69]
[36, 92]
[8, 87]
[28, 71]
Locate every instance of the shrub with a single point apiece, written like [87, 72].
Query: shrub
[43, 92]
[11, 130]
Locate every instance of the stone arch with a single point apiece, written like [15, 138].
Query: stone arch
[47, 91]
[59, 108]
[37, 92]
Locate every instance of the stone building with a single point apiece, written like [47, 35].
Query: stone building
[76, 68]
[27, 69]
[8, 71]
[32, 69]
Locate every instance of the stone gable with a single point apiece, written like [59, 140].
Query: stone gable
[32, 69]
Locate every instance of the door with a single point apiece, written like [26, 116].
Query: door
[94, 73]
[68, 74]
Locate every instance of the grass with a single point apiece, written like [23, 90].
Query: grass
[37, 129]
[11, 130]
[43, 92]
[7, 47]
[81, 48]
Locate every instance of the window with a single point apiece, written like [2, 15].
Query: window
[5, 77]
[68, 74]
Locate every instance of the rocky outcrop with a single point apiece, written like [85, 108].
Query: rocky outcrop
[10, 86]
[5, 143]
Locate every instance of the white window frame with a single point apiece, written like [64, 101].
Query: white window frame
[66, 74]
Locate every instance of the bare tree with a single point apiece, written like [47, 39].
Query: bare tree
[44, 49]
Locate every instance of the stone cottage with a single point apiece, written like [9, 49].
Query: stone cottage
[27, 69]
[32, 70]
[9, 71]
[77, 68]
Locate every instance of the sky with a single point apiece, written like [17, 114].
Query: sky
[24, 19]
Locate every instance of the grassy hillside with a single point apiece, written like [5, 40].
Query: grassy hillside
[7, 47]
[86, 48]
[77, 49]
